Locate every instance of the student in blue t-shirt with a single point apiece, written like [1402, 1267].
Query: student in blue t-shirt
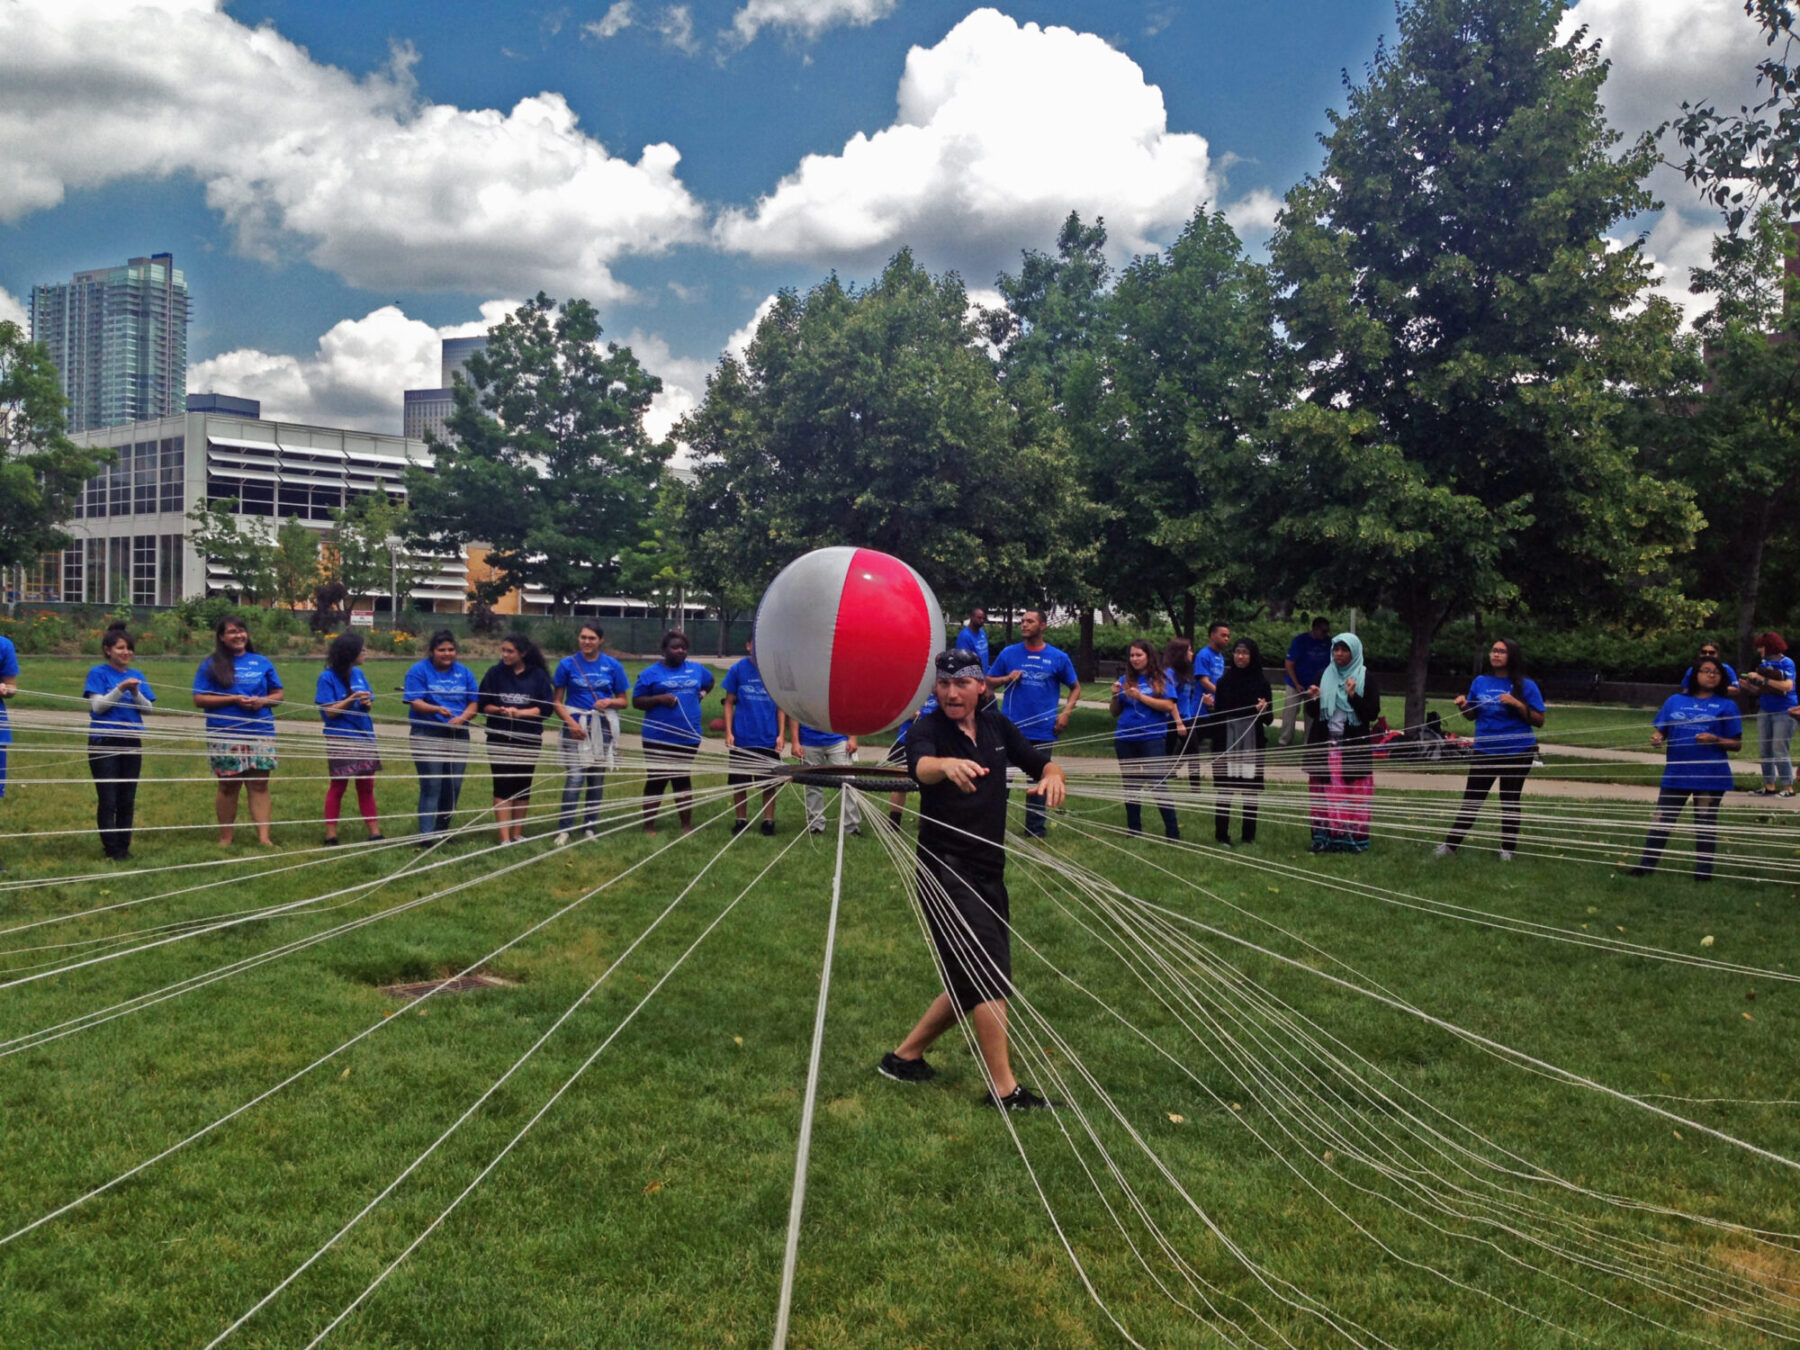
[118, 695]
[1307, 656]
[238, 688]
[590, 687]
[1731, 676]
[1187, 745]
[441, 700]
[1773, 683]
[1506, 709]
[9, 685]
[972, 636]
[813, 746]
[344, 700]
[754, 731]
[1701, 728]
[1143, 701]
[668, 693]
[1033, 675]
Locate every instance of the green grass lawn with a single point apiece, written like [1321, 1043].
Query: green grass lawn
[647, 1208]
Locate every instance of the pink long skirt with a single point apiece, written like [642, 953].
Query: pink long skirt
[1340, 810]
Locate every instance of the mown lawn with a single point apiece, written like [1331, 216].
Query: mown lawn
[647, 1207]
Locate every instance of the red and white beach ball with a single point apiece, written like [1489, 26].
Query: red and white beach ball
[845, 640]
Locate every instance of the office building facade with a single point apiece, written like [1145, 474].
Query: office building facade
[118, 337]
[428, 411]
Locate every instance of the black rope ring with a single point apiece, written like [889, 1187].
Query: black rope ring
[863, 777]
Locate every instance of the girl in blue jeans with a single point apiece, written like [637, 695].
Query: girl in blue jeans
[1773, 683]
[1143, 701]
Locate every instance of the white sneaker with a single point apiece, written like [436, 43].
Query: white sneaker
[563, 838]
[588, 836]
[1445, 851]
[1506, 855]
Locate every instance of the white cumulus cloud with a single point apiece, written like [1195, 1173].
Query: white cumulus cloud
[1002, 128]
[1665, 53]
[12, 309]
[807, 18]
[361, 176]
[615, 21]
[739, 342]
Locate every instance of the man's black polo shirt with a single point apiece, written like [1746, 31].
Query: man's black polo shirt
[951, 816]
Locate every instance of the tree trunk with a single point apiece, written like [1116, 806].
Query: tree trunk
[1418, 661]
[1188, 617]
[1747, 592]
[1009, 625]
[1084, 652]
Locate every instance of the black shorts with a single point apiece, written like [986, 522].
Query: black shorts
[667, 764]
[512, 782]
[746, 762]
[974, 938]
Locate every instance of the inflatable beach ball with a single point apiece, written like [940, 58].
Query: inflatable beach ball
[845, 639]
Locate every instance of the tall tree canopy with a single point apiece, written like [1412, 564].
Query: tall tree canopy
[873, 416]
[549, 464]
[42, 471]
[1470, 337]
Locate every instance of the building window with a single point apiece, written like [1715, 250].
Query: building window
[168, 570]
[144, 478]
[294, 501]
[143, 569]
[118, 570]
[174, 496]
[71, 576]
[96, 497]
[95, 590]
[256, 499]
[119, 478]
[43, 579]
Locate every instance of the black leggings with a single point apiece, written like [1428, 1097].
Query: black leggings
[1484, 770]
[1222, 814]
[117, 763]
[1669, 802]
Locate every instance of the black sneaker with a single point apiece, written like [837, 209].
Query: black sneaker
[739, 826]
[905, 1070]
[768, 828]
[1021, 1098]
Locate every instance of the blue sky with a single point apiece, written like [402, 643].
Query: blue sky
[344, 183]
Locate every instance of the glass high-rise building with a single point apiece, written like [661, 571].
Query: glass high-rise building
[118, 335]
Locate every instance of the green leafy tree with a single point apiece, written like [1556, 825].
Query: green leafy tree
[42, 471]
[243, 545]
[549, 464]
[1749, 158]
[1472, 344]
[295, 562]
[872, 417]
[1194, 375]
[366, 548]
[1744, 450]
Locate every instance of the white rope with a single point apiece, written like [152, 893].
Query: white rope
[803, 1151]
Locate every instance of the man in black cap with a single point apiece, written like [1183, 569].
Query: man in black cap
[958, 754]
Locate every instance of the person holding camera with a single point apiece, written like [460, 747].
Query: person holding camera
[1773, 684]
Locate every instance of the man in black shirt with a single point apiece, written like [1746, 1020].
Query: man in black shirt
[959, 755]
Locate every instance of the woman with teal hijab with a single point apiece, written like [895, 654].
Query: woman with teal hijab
[1342, 709]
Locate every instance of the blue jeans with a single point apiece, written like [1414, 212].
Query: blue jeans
[441, 755]
[1143, 764]
[1774, 733]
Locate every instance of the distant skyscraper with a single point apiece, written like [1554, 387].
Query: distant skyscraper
[428, 410]
[118, 335]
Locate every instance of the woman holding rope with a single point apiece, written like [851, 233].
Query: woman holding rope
[1700, 727]
[440, 694]
[1143, 702]
[590, 687]
[1341, 713]
[237, 689]
[1773, 683]
[516, 697]
[1506, 709]
[1243, 705]
[118, 695]
[344, 698]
